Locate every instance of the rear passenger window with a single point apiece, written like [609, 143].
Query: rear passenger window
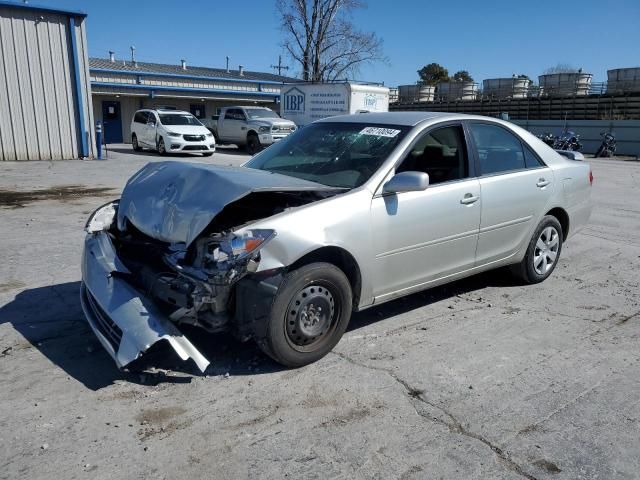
[531, 160]
[499, 150]
[140, 117]
[442, 153]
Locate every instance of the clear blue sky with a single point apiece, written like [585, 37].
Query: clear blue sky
[490, 38]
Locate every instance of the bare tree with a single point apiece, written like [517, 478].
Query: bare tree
[320, 36]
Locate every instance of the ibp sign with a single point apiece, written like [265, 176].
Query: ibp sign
[293, 100]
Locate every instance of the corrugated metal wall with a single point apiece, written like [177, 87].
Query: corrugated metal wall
[39, 116]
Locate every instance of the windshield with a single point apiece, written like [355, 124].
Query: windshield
[335, 154]
[261, 113]
[178, 119]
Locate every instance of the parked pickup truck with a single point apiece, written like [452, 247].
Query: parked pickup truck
[250, 127]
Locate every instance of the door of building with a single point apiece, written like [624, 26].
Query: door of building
[112, 122]
[197, 110]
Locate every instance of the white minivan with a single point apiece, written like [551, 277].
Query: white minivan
[170, 131]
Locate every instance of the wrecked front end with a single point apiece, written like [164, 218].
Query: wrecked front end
[146, 270]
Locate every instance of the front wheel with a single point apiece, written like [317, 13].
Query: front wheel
[162, 150]
[600, 152]
[207, 154]
[543, 252]
[253, 144]
[309, 314]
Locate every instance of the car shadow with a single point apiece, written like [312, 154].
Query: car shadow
[500, 277]
[146, 153]
[50, 318]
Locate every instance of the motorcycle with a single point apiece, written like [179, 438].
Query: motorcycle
[608, 146]
[547, 138]
[568, 141]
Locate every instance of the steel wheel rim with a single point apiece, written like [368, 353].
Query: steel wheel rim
[311, 317]
[545, 253]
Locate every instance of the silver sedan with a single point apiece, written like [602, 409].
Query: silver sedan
[347, 213]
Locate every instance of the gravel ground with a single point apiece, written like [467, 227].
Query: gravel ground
[478, 379]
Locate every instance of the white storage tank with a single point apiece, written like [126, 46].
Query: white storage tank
[457, 90]
[565, 84]
[622, 80]
[416, 93]
[508, 87]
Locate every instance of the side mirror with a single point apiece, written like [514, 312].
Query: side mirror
[407, 182]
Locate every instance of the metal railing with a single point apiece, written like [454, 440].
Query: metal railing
[566, 89]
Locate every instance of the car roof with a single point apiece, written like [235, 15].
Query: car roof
[395, 118]
[165, 110]
[254, 107]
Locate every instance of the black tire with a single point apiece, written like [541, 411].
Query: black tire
[207, 154]
[162, 150]
[253, 144]
[535, 267]
[297, 333]
[600, 152]
[134, 143]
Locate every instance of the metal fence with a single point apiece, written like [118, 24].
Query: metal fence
[599, 102]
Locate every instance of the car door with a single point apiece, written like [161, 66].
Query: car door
[141, 120]
[150, 129]
[515, 187]
[420, 237]
[230, 125]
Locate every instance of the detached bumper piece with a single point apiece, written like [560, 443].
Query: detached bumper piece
[126, 323]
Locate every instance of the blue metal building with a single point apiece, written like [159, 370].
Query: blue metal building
[45, 91]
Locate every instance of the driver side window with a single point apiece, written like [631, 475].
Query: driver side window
[441, 153]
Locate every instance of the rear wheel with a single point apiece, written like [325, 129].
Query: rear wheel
[134, 143]
[310, 313]
[543, 252]
[253, 144]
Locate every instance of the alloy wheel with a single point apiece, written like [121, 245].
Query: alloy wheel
[546, 250]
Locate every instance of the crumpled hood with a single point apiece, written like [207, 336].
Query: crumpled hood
[175, 201]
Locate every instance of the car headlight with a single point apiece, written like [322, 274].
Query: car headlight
[240, 245]
[209, 134]
[103, 218]
[173, 134]
[264, 129]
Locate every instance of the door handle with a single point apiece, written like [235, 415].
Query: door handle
[542, 182]
[469, 198]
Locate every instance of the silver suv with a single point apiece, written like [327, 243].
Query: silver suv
[169, 131]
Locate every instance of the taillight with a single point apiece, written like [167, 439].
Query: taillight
[590, 177]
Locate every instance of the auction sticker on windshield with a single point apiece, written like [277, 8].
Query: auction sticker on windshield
[380, 132]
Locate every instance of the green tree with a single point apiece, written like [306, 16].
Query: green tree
[461, 76]
[433, 73]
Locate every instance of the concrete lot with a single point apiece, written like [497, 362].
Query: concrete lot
[479, 379]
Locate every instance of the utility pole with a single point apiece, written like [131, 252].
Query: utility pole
[279, 67]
